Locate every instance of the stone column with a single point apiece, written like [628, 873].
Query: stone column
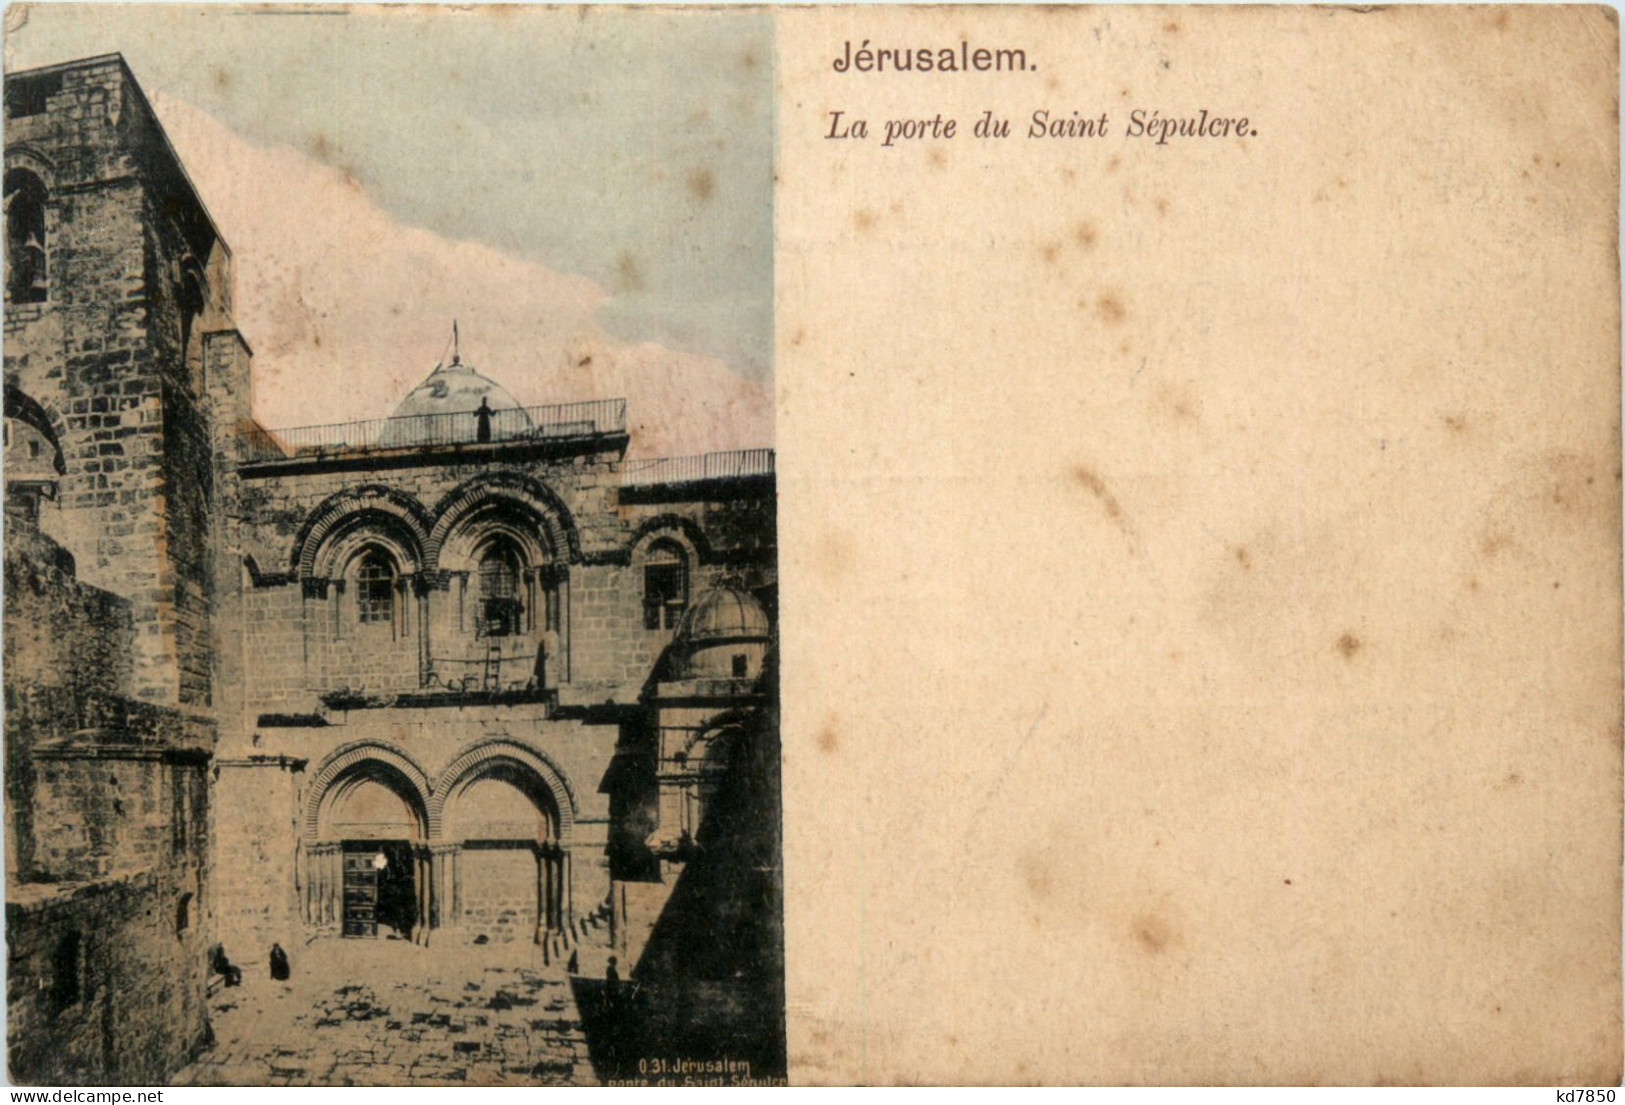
[316, 873]
[544, 895]
[446, 904]
[423, 589]
[313, 882]
[301, 875]
[424, 886]
[437, 883]
[454, 876]
[333, 900]
[564, 625]
[567, 912]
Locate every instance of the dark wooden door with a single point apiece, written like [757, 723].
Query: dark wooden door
[360, 894]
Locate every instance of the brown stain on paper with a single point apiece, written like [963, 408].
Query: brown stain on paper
[829, 741]
[1096, 487]
[1037, 876]
[1179, 404]
[626, 268]
[1110, 308]
[1153, 933]
[702, 184]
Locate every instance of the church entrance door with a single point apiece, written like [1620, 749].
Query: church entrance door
[379, 888]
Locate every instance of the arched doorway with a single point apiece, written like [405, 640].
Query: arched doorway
[33, 457]
[504, 812]
[367, 857]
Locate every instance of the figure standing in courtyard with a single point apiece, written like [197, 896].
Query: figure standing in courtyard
[279, 963]
[612, 986]
[220, 965]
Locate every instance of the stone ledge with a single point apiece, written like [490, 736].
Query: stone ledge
[36, 897]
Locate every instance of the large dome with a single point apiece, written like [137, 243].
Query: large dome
[441, 409]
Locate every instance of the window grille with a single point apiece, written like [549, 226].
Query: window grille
[500, 606]
[375, 589]
[665, 587]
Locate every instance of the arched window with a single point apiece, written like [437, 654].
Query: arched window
[190, 301]
[25, 237]
[500, 605]
[665, 585]
[375, 588]
[183, 914]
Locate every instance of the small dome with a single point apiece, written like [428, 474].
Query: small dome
[452, 389]
[723, 614]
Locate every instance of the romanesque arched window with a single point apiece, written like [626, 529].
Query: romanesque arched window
[500, 605]
[665, 585]
[25, 237]
[375, 588]
[190, 301]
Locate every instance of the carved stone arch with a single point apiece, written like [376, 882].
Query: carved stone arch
[684, 531]
[25, 156]
[385, 509]
[368, 531]
[463, 544]
[258, 577]
[349, 756]
[28, 204]
[192, 287]
[499, 749]
[727, 726]
[188, 267]
[525, 496]
[25, 408]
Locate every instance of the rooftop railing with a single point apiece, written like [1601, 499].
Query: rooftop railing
[706, 466]
[517, 424]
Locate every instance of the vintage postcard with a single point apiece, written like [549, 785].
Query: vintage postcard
[1161, 465]
[391, 593]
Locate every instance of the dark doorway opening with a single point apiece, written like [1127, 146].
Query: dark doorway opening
[380, 891]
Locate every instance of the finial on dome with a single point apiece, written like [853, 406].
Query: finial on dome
[456, 356]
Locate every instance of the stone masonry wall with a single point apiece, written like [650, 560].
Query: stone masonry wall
[268, 802]
[102, 357]
[107, 840]
[67, 649]
[310, 642]
[499, 894]
[134, 1010]
[257, 841]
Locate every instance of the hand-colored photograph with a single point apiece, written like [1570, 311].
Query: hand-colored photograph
[390, 562]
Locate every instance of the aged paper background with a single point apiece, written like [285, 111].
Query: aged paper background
[1201, 562]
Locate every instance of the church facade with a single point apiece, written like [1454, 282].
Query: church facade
[464, 674]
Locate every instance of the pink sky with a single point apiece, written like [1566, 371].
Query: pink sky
[347, 308]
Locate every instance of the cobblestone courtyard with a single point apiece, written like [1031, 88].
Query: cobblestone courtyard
[386, 1012]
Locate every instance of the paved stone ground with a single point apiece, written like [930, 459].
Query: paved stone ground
[389, 1013]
